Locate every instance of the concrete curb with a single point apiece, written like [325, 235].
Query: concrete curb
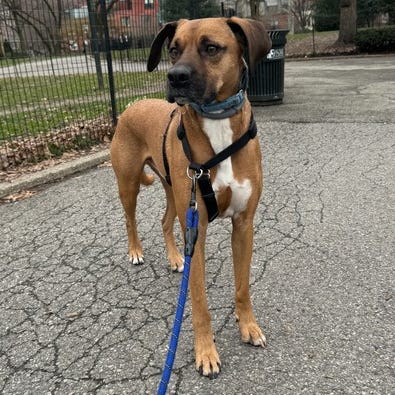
[54, 173]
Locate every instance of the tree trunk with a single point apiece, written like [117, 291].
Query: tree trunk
[348, 21]
[254, 9]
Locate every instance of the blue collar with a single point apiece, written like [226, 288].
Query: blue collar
[228, 107]
[222, 109]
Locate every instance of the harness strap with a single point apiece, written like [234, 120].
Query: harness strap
[164, 155]
[235, 146]
[208, 195]
[204, 181]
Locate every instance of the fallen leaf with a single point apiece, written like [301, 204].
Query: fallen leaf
[17, 196]
[105, 164]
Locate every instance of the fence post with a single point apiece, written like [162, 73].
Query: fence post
[103, 12]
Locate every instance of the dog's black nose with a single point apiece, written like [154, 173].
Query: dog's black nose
[179, 76]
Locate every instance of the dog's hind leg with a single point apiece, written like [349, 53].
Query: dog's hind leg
[128, 191]
[128, 168]
[175, 258]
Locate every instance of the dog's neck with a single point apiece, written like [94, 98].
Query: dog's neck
[223, 109]
[228, 107]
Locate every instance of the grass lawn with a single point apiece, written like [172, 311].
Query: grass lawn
[30, 123]
[5, 62]
[34, 105]
[33, 90]
[301, 36]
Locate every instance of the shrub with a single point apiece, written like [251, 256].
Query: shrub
[376, 39]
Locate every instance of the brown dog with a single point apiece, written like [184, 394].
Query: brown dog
[208, 65]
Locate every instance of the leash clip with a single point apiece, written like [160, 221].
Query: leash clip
[197, 173]
[196, 176]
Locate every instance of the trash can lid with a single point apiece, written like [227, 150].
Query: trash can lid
[278, 37]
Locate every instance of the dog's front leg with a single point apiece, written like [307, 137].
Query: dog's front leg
[242, 243]
[206, 356]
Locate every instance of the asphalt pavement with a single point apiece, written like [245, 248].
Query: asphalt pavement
[69, 65]
[77, 318]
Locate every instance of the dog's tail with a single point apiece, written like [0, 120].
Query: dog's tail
[146, 179]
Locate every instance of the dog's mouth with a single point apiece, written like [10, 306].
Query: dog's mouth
[186, 96]
[175, 96]
[181, 100]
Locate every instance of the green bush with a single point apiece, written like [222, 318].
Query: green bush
[376, 39]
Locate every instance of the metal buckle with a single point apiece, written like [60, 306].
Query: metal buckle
[196, 175]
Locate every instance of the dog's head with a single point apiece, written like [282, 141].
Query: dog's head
[207, 56]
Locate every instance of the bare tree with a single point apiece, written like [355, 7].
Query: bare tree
[97, 29]
[35, 21]
[301, 11]
[2, 50]
[9, 17]
[254, 9]
[348, 21]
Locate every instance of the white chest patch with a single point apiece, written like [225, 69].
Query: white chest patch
[220, 135]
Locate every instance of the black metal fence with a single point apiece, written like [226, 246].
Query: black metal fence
[67, 68]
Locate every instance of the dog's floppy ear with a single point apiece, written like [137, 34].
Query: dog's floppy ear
[167, 31]
[253, 37]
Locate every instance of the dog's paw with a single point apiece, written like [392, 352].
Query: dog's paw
[207, 362]
[252, 334]
[136, 258]
[176, 262]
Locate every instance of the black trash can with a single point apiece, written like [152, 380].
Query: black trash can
[266, 84]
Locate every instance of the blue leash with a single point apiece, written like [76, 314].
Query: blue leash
[191, 233]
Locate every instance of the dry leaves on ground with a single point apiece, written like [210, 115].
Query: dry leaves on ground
[319, 45]
[17, 196]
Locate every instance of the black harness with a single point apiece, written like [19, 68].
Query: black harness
[203, 170]
[164, 155]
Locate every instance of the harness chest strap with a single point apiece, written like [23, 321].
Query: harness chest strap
[204, 181]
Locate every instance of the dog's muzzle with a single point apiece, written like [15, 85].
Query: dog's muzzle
[179, 83]
[179, 77]
[185, 85]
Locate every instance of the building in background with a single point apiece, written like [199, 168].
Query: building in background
[273, 12]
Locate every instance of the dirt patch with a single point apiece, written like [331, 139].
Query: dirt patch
[27, 155]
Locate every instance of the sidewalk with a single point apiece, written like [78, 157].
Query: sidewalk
[77, 318]
[53, 173]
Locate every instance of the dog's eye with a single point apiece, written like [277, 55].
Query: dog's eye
[173, 52]
[212, 49]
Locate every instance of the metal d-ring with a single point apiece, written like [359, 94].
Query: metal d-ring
[196, 176]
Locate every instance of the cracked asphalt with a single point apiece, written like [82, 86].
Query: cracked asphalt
[77, 318]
